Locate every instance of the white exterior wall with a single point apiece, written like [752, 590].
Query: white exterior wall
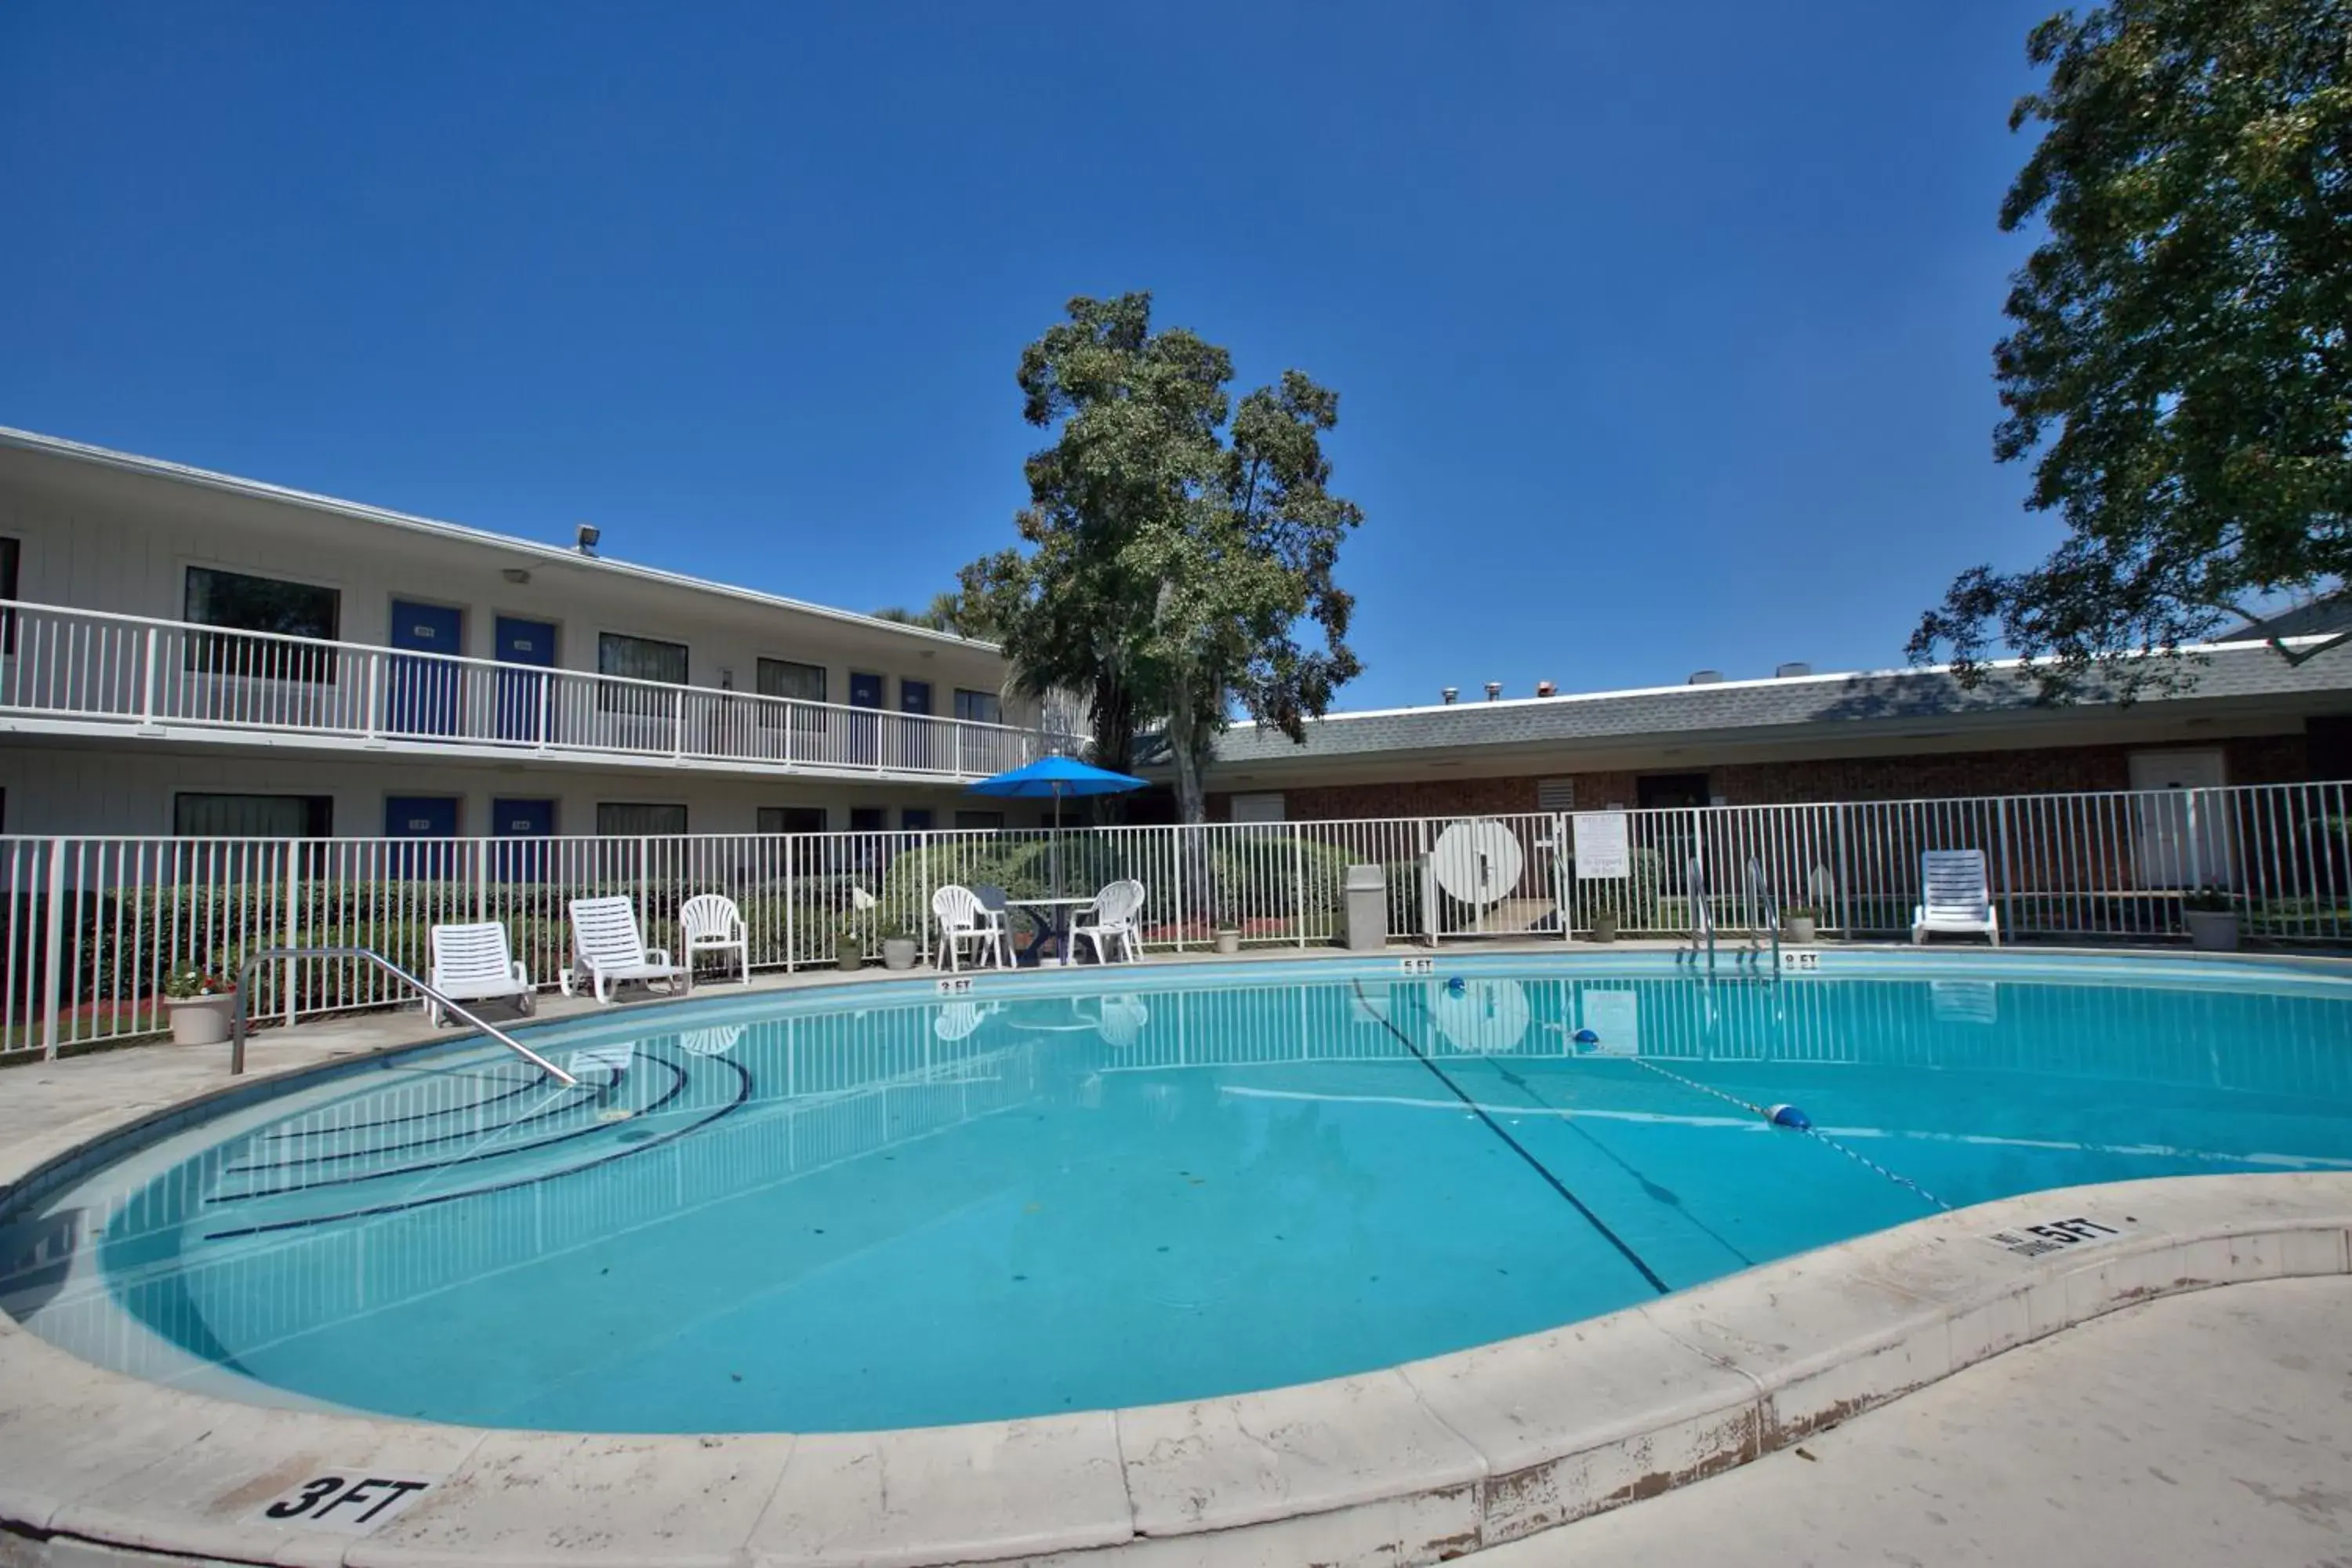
[57, 790]
[98, 539]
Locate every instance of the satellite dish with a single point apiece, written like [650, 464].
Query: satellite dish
[1484, 1016]
[1477, 863]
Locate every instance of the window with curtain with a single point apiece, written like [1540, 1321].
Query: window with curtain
[235, 601]
[253, 815]
[979, 707]
[800, 682]
[638, 658]
[630, 819]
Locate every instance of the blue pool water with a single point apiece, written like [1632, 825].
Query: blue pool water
[790, 1214]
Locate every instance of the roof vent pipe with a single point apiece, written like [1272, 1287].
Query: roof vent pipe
[1705, 677]
[1451, 692]
[1791, 671]
[1546, 688]
[1494, 690]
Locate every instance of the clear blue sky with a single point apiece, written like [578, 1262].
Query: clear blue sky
[1661, 333]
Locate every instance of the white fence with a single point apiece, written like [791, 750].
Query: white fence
[154, 677]
[95, 926]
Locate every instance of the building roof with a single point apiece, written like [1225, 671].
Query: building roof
[2227, 670]
[180, 473]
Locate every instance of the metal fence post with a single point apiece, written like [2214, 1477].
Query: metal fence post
[53, 950]
[1845, 873]
[481, 879]
[286, 920]
[2000, 848]
[1298, 879]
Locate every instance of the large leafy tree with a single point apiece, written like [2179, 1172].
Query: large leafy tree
[1178, 552]
[2179, 366]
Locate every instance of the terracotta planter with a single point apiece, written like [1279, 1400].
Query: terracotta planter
[899, 952]
[2212, 931]
[199, 1020]
[1798, 931]
[1229, 942]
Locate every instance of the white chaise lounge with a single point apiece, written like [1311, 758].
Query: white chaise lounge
[1954, 896]
[608, 950]
[473, 964]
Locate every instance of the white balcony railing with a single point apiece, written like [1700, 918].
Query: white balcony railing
[90, 667]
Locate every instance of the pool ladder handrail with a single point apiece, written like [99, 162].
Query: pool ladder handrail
[1702, 910]
[237, 1027]
[1763, 904]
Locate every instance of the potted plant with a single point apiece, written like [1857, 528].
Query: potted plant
[1604, 925]
[849, 940]
[898, 944]
[1229, 941]
[1798, 924]
[2212, 916]
[200, 1004]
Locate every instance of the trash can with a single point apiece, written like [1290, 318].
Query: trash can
[1367, 909]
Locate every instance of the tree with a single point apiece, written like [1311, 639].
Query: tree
[2178, 369]
[1178, 544]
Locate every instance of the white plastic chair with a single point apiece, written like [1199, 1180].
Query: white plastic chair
[607, 949]
[709, 922]
[1119, 1020]
[963, 918]
[1954, 896]
[473, 964]
[715, 1041]
[1111, 918]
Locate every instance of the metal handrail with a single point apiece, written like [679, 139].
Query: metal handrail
[1702, 910]
[236, 1029]
[1766, 903]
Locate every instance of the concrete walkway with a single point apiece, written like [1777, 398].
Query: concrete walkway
[2206, 1428]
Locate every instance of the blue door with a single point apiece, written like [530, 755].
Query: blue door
[914, 747]
[520, 694]
[864, 733]
[422, 696]
[526, 821]
[421, 816]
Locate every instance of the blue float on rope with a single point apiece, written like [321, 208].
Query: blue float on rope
[1789, 1116]
[1587, 1036]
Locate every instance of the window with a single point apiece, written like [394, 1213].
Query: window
[800, 682]
[10, 550]
[791, 819]
[979, 707]
[1263, 807]
[630, 819]
[235, 602]
[637, 658]
[253, 815]
[981, 821]
[915, 819]
[869, 819]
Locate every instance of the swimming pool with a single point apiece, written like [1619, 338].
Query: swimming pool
[873, 1208]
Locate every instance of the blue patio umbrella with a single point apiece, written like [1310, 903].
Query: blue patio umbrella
[1056, 776]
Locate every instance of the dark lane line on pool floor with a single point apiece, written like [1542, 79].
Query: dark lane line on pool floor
[1541, 1169]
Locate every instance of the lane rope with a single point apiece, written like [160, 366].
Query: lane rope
[1866, 1163]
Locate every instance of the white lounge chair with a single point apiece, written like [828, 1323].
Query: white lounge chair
[607, 949]
[964, 918]
[1111, 918]
[1954, 896]
[473, 964]
[709, 922]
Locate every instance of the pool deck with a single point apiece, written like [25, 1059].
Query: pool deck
[1406, 1465]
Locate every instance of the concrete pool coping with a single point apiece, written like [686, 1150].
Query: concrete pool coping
[1407, 1465]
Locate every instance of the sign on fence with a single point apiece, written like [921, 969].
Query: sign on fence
[1602, 845]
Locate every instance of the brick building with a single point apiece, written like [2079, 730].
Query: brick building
[2250, 717]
